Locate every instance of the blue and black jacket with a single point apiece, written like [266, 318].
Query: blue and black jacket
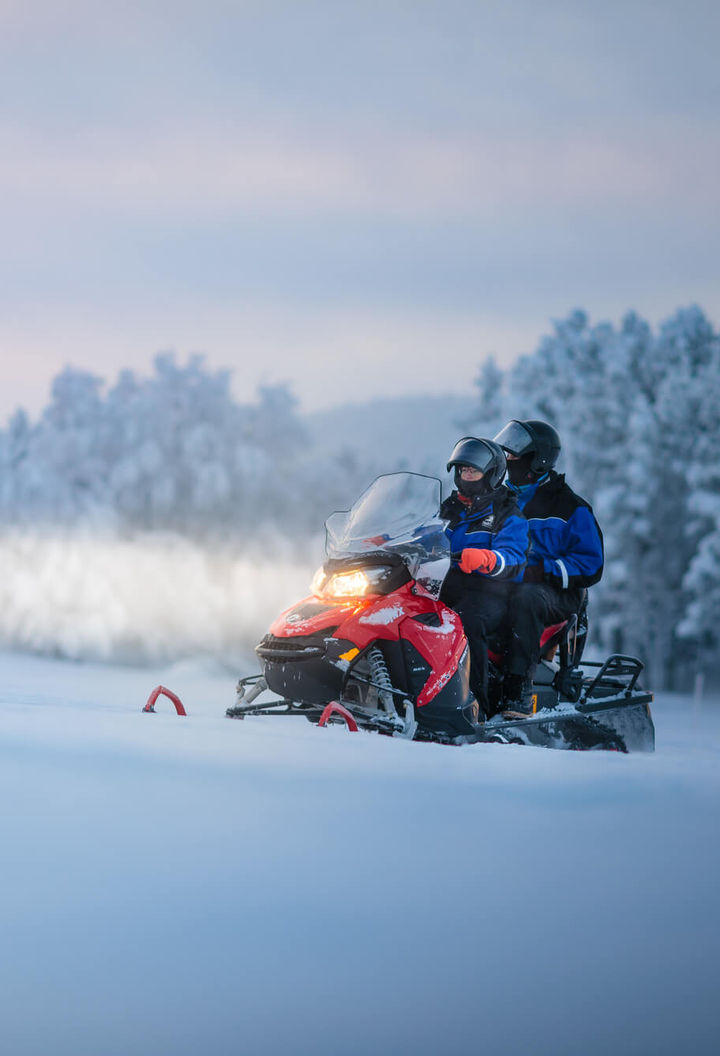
[566, 544]
[490, 522]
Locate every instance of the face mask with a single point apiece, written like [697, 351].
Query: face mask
[519, 469]
[470, 489]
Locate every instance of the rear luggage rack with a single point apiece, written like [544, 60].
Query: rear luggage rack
[618, 672]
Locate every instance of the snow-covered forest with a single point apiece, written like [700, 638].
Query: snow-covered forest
[169, 482]
[639, 414]
[172, 452]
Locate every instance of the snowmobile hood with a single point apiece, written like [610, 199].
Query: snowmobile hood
[314, 615]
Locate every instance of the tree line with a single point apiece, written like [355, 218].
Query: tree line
[638, 411]
[639, 415]
[172, 452]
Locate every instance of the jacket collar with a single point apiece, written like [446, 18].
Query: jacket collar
[549, 482]
[476, 507]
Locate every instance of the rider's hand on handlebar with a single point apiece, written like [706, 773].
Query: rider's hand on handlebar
[473, 560]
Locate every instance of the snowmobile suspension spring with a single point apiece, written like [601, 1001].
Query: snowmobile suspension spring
[381, 678]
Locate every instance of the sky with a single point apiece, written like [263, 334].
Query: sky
[358, 197]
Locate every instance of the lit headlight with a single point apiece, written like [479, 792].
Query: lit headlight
[353, 584]
[347, 585]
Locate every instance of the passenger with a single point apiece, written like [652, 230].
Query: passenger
[566, 552]
[488, 540]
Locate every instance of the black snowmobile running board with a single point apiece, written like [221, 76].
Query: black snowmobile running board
[555, 729]
[610, 714]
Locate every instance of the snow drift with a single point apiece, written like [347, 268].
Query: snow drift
[194, 885]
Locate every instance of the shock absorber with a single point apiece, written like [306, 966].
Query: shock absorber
[381, 680]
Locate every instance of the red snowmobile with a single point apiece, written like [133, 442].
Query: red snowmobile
[375, 648]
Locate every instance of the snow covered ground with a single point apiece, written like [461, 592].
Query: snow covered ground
[199, 886]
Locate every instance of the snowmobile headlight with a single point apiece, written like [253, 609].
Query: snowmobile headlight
[318, 581]
[347, 585]
[355, 583]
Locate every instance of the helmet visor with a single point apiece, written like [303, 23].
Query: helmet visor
[515, 438]
[472, 452]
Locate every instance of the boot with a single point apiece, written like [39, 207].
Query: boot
[517, 697]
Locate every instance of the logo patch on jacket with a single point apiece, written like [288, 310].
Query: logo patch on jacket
[488, 522]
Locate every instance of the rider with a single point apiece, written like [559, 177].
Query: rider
[566, 551]
[488, 541]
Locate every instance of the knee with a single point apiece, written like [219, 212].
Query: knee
[516, 604]
[474, 625]
[526, 596]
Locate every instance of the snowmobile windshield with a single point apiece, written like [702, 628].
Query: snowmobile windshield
[515, 438]
[399, 512]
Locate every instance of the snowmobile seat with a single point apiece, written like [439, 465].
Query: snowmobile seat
[560, 636]
[569, 636]
[549, 641]
[551, 636]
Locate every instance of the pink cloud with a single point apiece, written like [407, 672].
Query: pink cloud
[208, 170]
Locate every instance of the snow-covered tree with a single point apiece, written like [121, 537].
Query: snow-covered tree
[489, 413]
[175, 435]
[172, 451]
[700, 626]
[632, 409]
[14, 450]
[57, 471]
[675, 371]
[638, 413]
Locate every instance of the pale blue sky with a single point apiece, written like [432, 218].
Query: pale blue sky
[359, 197]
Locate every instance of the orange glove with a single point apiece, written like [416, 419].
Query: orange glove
[472, 560]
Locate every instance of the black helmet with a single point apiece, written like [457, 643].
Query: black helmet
[540, 438]
[485, 455]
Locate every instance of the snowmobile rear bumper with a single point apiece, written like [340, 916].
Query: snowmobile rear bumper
[614, 698]
[604, 708]
[620, 725]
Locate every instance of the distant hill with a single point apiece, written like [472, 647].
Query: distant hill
[413, 432]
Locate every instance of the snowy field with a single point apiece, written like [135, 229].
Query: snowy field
[194, 886]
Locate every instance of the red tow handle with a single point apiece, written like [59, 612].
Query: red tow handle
[337, 709]
[150, 706]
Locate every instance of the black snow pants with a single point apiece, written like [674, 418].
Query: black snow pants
[531, 608]
[481, 604]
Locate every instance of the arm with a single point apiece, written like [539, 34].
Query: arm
[510, 545]
[579, 561]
